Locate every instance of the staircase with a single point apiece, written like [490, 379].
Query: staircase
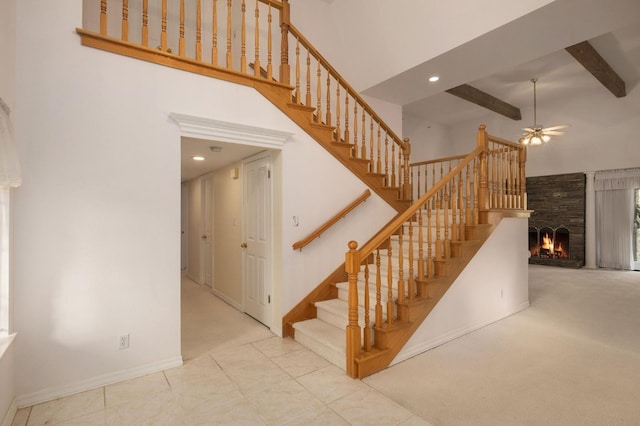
[325, 334]
[388, 286]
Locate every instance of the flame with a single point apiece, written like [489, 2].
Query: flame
[547, 243]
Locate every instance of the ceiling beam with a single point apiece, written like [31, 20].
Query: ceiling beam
[485, 100]
[594, 63]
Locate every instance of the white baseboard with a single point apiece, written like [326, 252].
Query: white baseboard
[407, 353]
[228, 301]
[95, 382]
[11, 413]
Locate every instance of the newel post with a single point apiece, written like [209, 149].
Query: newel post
[354, 346]
[522, 161]
[407, 190]
[483, 185]
[285, 21]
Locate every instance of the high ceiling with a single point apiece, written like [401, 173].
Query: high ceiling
[502, 63]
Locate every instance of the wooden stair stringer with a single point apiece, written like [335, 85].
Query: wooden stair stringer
[392, 338]
[303, 116]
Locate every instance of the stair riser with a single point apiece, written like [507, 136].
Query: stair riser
[336, 357]
[344, 295]
[341, 321]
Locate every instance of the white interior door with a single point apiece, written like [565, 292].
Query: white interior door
[184, 201]
[207, 229]
[257, 238]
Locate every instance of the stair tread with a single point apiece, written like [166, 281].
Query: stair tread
[323, 332]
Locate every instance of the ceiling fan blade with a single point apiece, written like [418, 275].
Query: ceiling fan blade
[553, 132]
[528, 129]
[562, 126]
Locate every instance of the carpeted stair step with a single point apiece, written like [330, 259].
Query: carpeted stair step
[324, 339]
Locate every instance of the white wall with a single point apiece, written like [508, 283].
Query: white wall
[97, 240]
[606, 139]
[481, 294]
[428, 140]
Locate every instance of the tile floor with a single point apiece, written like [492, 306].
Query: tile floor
[266, 381]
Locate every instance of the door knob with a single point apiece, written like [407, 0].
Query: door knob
[204, 237]
[243, 245]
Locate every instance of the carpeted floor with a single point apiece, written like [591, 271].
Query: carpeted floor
[572, 358]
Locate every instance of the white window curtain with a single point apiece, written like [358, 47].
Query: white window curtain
[10, 176]
[614, 217]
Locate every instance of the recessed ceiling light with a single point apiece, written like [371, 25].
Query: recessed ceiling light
[198, 158]
[434, 78]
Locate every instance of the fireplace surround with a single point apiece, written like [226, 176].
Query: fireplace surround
[557, 224]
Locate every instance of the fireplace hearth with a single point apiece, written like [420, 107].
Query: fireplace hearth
[556, 226]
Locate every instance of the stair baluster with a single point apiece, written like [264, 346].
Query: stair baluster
[214, 33]
[125, 20]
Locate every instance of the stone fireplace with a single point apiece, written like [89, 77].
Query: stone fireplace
[556, 226]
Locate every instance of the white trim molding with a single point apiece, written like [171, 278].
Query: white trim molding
[96, 382]
[224, 131]
[11, 414]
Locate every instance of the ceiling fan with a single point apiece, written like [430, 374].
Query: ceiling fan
[536, 134]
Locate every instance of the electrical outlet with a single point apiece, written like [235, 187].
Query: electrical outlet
[123, 341]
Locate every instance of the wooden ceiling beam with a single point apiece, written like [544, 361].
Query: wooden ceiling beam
[485, 100]
[589, 58]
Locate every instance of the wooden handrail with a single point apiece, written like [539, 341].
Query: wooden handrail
[439, 160]
[492, 138]
[276, 4]
[307, 44]
[298, 245]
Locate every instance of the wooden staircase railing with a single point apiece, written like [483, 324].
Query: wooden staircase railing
[368, 135]
[299, 245]
[418, 255]
[240, 41]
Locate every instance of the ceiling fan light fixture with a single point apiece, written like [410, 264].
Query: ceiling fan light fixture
[536, 134]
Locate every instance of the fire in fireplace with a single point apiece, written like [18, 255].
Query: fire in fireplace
[549, 243]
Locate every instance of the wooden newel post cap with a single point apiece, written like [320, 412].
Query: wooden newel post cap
[482, 127]
[351, 260]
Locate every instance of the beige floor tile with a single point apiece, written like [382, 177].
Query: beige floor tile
[369, 408]
[298, 363]
[238, 357]
[67, 408]
[318, 417]
[415, 421]
[21, 417]
[239, 412]
[331, 383]
[95, 419]
[257, 377]
[140, 387]
[276, 346]
[157, 409]
[284, 402]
